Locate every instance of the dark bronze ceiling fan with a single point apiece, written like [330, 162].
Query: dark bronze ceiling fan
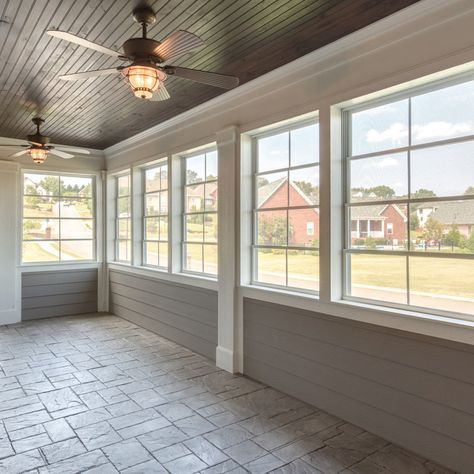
[38, 146]
[149, 68]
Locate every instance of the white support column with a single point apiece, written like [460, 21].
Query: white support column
[10, 276]
[229, 350]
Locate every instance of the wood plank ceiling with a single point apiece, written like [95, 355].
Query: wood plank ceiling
[246, 38]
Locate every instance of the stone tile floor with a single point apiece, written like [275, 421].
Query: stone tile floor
[98, 394]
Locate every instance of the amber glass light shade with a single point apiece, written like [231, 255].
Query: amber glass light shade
[143, 80]
[38, 155]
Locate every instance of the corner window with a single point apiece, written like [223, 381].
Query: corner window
[286, 208]
[200, 194]
[123, 220]
[155, 220]
[58, 218]
[410, 200]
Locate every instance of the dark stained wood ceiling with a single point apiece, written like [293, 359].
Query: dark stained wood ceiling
[246, 38]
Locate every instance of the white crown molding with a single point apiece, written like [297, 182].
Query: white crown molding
[421, 16]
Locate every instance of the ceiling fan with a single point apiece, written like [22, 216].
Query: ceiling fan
[38, 146]
[149, 68]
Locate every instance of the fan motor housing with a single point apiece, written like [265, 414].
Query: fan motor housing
[43, 139]
[140, 48]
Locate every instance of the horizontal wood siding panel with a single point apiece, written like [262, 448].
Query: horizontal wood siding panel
[58, 293]
[188, 310]
[196, 296]
[414, 437]
[181, 313]
[63, 310]
[413, 390]
[187, 340]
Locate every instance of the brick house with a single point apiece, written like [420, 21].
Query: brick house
[304, 223]
[386, 221]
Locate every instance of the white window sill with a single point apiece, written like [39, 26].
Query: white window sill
[443, 327]
[157, 274]
[57, 266]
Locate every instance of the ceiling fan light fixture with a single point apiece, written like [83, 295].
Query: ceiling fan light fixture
[38, 155]
[144, 80]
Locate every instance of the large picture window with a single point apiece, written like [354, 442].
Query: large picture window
[123, 221]
[410, 200]
[155, 221]
[58, 218]
[200, 194]
[286, 208]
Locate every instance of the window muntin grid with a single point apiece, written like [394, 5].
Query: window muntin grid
[200, 203]
[155, 216]
[58, 218]
[285, 246]
[123, 219]
[415, 187]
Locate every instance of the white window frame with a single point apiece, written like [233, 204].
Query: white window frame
[94, 239]
[346, 223]
[164, 162]
[117, 240]
[255, 136]
[183, 157]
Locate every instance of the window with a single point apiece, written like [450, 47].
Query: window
[155, 221]
[58, 218]
[409, 170]
[200, 213]
[286, 208]
[123, 221]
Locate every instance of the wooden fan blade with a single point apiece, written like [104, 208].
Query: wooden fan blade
[64, 35]
[62, 154]
[204, 77]
[19, 153]
[160, 94]
[87, 74]
[67, 148]
[177, 43]
[14, 142]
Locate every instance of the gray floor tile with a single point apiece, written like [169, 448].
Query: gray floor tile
[126, 454]
[142, 404]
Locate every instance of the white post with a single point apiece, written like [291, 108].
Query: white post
[10, 276]
[229, 349]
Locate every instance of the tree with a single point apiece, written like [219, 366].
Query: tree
[51, 185]
[470, 242]
[308, 189]
[382, 191]
[433, 230]
[423, 193]
[469, 190]
[414, 221]
[453, 237]
[272, 230]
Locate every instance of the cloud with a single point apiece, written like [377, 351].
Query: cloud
[387, 162]
[396, 133]
[440, 130]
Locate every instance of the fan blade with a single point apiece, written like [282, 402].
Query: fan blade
[67, 148]
[86, 75]
[210, 78]
[177, 43]
[64, 35]
[14, 142]
[13, 145]
[62, 154]
[160, 94]
[19, 153]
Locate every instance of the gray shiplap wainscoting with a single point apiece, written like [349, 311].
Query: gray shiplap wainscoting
[58, 293]
[413, 390]
[181, 313]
